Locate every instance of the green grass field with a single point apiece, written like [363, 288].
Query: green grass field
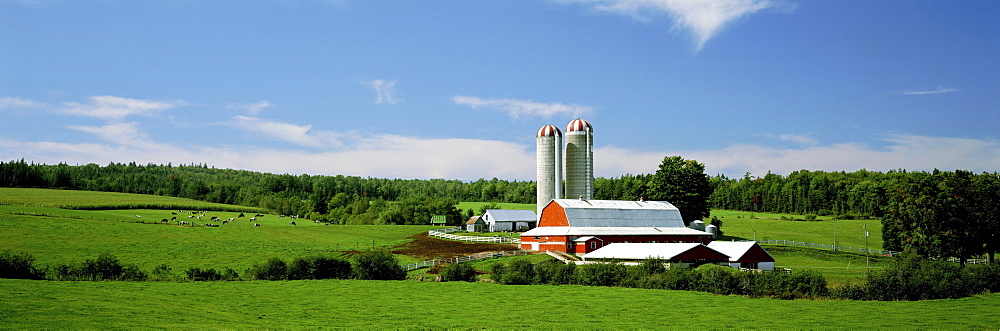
[67, 199]
[56, 236]
[407, 304]
[466, 205]
[765, 226]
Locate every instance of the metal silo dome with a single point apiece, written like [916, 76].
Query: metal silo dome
[548, 130]
[579, 125]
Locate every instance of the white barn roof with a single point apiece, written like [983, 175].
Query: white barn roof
[640, 251]
[735, 249]
[621, 213]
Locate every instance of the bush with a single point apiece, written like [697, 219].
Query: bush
[458, 272]
[600, 274]
[714, 278]
[19, 266]
[518, 272]
[104, 267]
[273, 269]
[330, 268]
[554, 273]
[162, 272]
[378, 265]
[210, 274]
[914, 278]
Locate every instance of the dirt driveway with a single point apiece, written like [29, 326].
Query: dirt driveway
[424, 247]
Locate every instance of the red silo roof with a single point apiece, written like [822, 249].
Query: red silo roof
[579, 125]
[548, 131]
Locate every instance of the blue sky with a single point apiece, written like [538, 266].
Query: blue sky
[457, 89]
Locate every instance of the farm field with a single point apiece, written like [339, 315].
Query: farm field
[740, 225]
[407, 304]
[466, 205]
[68, 199]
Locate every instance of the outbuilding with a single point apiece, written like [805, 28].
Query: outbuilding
[678, 254]
[498, 220]
[744, 254]
[475, 224]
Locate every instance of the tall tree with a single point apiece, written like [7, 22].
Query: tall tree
[684, 184]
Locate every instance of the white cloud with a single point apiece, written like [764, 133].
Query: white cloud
[19, 103]
[518, 108]
[797, 138]
[297, 134]
[254, 108]
[911, 152]
[939, 90]
[385, 91]
[122, 133]
[703, 18]
[116, 108]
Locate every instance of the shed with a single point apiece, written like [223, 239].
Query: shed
[509, 220]
[441, 220]
[685, 254]
[744, 254]
[475, 224]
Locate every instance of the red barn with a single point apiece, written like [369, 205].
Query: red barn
[582, 226]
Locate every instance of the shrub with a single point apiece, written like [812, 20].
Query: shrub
[104, 267]
[378, 265]
[518, 272]
[330, 268]
[554, 273]
[162, 272]
[210, 274]
[20, 266]
[600, 274]
[300, 269]
[914, 278]
[273, 269]
[717, 279]
[458, 272]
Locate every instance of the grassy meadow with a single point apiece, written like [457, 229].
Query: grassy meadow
[68, 199]
[79, 230]
[466, 205]
[407, 304]
[768, 226]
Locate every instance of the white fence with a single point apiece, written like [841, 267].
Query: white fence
[443, 233]
[480, 256]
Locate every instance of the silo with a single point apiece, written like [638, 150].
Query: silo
[548, 160]
[698, 225]
[713, 230]
[579, 160]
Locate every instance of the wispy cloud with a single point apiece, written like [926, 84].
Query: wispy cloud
[703, 18]
[253, 108]
[296, 134]
[19, 103]
[120, 133]
[385, 91]
[796, 138]
[939, 90]
[116, 108]
[518, 108]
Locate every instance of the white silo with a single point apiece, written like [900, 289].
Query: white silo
[579, 160]
[548, 160]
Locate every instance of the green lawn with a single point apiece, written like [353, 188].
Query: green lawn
[765, 226]
[424, 305]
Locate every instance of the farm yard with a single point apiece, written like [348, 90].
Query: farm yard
[54, 236]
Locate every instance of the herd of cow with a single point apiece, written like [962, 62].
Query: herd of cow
[196, 216]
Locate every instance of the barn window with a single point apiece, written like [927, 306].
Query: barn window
[536, 238]
[593, 245]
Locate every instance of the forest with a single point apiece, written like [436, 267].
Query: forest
[938, 213]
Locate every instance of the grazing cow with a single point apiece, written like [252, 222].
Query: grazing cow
[255, 224]
[253, 219]
[164, 220]
[232, 219]
[224, 222]
[173, 213]
[190, 216]
[173, 218]
[137, 216]
[241, 216]
[185, 223]
[293, 223]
